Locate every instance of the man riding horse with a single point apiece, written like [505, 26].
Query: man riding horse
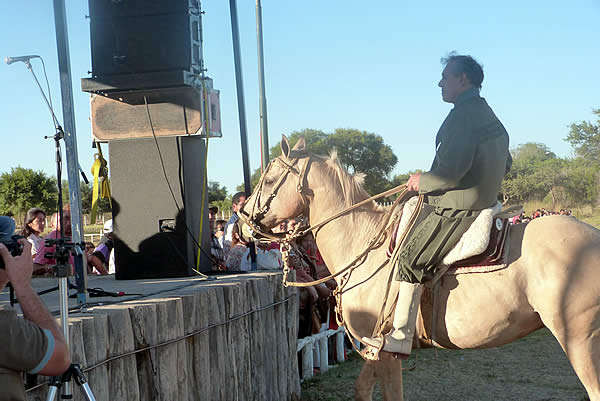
[471, 159]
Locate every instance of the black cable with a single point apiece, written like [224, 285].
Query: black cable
[162, 163]
[49, 94]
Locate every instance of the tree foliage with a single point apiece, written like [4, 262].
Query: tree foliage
[537, 174]
[216, 192]
[358, 151]
[23, 188]
[585, 139]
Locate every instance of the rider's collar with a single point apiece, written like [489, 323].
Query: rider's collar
[466, 95]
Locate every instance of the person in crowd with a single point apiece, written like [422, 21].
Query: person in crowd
[42, 263]
[238, 258]
[212, 217]
[7, 228]
[237, 201]
[99, 260]
[33, 226]
[471, 159]
[89, 247]
[33, 344]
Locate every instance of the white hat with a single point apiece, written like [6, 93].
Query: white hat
[108, 227]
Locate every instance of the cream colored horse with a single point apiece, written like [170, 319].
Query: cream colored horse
[553, 278]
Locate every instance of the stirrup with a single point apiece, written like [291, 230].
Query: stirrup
[400, 348]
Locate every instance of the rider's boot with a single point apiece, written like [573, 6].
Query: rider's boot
[400, 339]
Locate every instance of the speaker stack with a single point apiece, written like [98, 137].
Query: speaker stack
[147, 57]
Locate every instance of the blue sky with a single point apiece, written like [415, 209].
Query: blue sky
[370, 66]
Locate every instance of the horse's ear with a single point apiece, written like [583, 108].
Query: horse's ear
[300, 145]
[285, 146]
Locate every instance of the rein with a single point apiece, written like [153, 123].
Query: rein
[286, 242]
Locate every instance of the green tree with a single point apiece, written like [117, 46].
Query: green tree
[254, 178]
[358, 151]
[535, 173]
[23, 188]
[216, 192]
[87, 193]
[316, 142]
[585, 139]
[581, 181]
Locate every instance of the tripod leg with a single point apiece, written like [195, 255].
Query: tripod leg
[55, 385]
[82, 381]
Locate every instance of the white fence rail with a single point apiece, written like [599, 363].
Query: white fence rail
[319, 341]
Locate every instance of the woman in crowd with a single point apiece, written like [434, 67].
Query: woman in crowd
[237, 257]
[33, 227]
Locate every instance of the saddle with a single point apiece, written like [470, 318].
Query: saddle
[494, 253]
[484, 243]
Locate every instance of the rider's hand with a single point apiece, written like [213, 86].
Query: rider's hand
[18, 269]
[413, 182]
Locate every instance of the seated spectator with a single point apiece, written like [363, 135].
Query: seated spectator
[212, 217]
[33, 227]
[43, 264]
[89, 247]
[237, 258]
[220, 234]
[98, 261]
[216, 248]
[237, 201]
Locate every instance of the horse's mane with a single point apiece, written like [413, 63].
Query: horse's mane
[351, 184]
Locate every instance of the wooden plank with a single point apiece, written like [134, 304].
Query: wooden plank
[77, 353]
[219, 372]
[257, 341]
[95, 338]
[292, 309]
[145, 333]
[113, 119]
[171, 373]
[198, 346]
[122, 372]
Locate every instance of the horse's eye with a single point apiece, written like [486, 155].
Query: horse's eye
[269, 181]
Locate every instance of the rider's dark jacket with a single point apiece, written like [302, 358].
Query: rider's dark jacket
[471, 157]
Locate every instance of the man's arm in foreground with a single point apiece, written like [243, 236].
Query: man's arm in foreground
[18, 270]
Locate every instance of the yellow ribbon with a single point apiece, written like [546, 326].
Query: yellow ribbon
[101, 183]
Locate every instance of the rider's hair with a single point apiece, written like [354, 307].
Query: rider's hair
[465, 64]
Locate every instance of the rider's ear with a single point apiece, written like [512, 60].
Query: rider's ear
[300, 145]
[285, 146]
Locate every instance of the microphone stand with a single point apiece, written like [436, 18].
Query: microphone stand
[54, 119]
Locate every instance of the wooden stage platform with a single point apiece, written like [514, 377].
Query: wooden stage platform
[230, 337]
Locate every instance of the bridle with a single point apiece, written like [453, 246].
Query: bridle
[258, 211]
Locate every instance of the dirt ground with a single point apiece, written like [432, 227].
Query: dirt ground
[532, 369]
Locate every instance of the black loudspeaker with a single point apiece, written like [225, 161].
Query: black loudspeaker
[152, 237]
[145, 36]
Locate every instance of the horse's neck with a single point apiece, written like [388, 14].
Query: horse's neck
[342, 239]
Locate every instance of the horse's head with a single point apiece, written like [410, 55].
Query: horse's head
[281, 192]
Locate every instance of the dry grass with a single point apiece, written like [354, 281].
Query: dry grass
[531, 369]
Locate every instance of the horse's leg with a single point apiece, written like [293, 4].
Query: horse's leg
[581, 342]
[389, 375]
[363, 388]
